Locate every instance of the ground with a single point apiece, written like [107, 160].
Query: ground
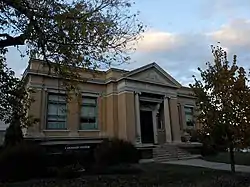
[152, 174]
[223, 157]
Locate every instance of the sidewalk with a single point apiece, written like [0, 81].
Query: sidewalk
[212, 165]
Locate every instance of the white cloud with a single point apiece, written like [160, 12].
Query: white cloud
[181, 53]
[154, 40]
[235, 34]
[178, 53]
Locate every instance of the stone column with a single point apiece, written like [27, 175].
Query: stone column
[154, 112]
[137, 118]
[167, 121]
[183, 116]
[175, 119]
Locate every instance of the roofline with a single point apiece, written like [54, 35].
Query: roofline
[79, 68]
[102, 71]
[155, 65]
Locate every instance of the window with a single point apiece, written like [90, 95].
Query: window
[57, 112]
[88, 119]
[189, 113]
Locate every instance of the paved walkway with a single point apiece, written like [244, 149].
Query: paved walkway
[212, 165]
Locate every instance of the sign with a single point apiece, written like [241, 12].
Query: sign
[77, 147]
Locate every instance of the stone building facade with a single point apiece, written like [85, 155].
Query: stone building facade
[145, 106]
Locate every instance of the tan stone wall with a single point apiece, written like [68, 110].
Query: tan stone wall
[130, 114]
[39, 66]
[111, 115]
[45, 85]
[73, 116]
[126, 116]
[174, 116]
[114, 74]
[36, 112]
[122, 120]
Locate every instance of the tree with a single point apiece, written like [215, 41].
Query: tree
[79, 33]
[223, 101]
[14, 102]
[65, 34]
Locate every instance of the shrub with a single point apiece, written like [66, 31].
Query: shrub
[22, 161]
[115, 152]
[67, 172]
[208, 149]
[13, 135]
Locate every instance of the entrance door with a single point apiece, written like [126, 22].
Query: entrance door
[147, 132]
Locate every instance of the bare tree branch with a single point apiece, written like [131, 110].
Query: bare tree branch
[13, 41]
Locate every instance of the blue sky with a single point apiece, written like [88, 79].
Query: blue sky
[180, 32]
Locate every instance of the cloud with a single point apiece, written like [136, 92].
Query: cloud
[181, 53]
[178, 53]
[154, 40]
[234, 35]
[223, 8]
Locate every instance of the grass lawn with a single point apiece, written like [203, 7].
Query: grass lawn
[240, 158]
[152, 175]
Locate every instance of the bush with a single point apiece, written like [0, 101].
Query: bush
[114, 152]
[208, 150]
[21, 162]
[68, 172]
[13, 135]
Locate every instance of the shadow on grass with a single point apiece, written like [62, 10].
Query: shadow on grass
[152, 174]
[223, 157]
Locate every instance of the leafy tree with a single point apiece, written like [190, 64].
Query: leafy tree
[223, 101]
[79, 33]
[14, 102]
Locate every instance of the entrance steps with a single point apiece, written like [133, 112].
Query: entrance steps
[169, 152]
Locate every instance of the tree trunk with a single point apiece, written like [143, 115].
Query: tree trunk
[232, 161]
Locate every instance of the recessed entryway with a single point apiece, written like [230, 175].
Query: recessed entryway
[147, 130]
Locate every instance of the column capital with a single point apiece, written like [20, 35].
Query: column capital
[172, 96]
[166, 97]
[137, 92]
[158, 106]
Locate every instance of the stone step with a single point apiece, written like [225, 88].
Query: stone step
[163, 152]
[181, 158]
[167, 152]
[172, 155]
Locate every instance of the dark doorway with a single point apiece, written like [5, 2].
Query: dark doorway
[147, 131]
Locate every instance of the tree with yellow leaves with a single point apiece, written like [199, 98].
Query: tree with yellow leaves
[223, 101]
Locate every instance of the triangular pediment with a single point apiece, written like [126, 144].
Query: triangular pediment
[153, 73]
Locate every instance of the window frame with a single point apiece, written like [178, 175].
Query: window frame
[54, 102]
[191, 113]
[95, 105]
